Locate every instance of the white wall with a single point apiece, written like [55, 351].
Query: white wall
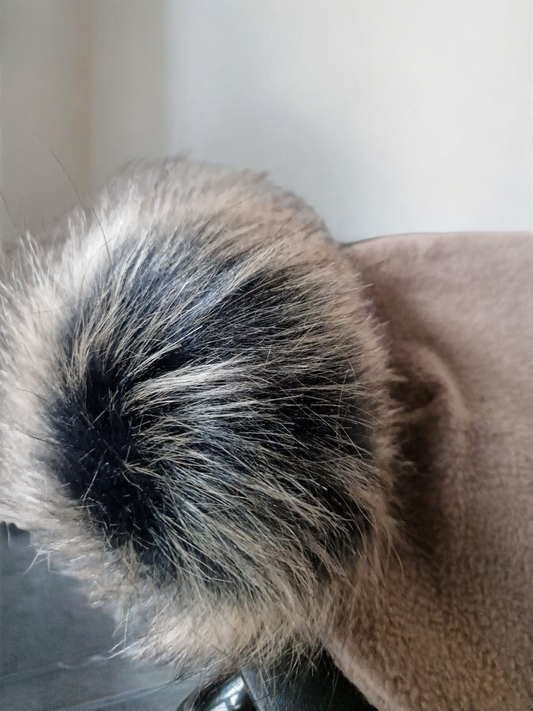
[387, 116]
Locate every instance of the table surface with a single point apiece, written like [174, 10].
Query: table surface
[55, 649]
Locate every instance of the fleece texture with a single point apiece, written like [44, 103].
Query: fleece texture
[452, 625]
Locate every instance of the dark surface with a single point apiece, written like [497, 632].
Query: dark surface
[55, 651]
[320, 687]
[316, 686]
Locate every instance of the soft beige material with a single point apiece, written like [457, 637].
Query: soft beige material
[452, 628]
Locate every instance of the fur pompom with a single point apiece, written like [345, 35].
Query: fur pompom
[195, 413]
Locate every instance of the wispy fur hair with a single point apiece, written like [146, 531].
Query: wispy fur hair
[194, 413]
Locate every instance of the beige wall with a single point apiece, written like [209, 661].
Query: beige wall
[82, 90]
[44, 108]
[387, 116]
